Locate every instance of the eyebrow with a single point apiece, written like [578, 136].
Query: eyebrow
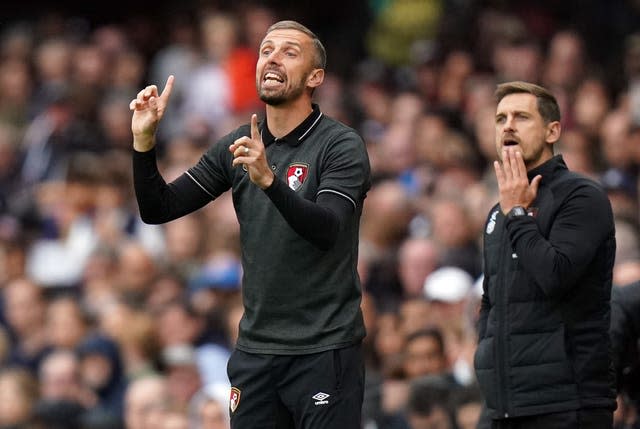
[515, 112]
[286, 42]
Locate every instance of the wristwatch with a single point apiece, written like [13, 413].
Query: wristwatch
[516, 211]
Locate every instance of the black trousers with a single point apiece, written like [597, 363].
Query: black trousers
[314, 391]
[590, 418]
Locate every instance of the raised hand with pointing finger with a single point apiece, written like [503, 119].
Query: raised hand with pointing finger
[250, 152]
[148, 108]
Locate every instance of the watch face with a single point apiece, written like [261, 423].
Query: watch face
[519, 211]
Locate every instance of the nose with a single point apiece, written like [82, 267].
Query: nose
[274, 56]
[509, 123]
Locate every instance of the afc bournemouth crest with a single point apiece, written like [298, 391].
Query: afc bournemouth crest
[234, 399]
[296, 175]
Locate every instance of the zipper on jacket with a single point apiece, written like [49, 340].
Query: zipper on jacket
[501, 343]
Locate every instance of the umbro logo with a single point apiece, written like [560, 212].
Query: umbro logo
[321, 398]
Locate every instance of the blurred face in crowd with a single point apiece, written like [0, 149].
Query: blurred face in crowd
[423, 357]
[565, 64]
[577, 152]
[24, 306]
[146, 402]
[184, 238]
[176, 326]
[15, 81]
[286, 66]
[590, 105]
[95, 371]
[183, 381]
[65, 323]
[88, 65]
[451, 224]
[387, 341]
[59, 376]
[613, 139]
[219, 34]
[520, 127]
[213, 416]
[137, 269]
[415, 313]
[53, 60]
[437, 419]
[17, 396]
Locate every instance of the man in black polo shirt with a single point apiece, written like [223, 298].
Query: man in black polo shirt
[298, 181]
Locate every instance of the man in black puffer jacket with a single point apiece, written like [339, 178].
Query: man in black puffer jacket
[544, 354]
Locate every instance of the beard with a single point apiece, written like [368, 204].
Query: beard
[277, 98]
[281, 96]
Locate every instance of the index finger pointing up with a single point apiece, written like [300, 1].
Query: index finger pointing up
[166, 92]
[255, 132]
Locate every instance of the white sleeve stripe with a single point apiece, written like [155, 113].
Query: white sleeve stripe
[338, 193]
[198, 183]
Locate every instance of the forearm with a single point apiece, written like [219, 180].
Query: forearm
[580, 227]
[552, 267]
[318, 222]
[158, 201]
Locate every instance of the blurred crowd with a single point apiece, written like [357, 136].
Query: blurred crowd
[106, 322]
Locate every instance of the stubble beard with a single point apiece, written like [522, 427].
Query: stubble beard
[281, 96]
[278, 98]
[273, 99]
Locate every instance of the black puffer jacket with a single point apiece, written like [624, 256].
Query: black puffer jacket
[543, 334]
[625, 338]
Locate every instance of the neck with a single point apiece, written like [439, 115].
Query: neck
[284, 118]
[546, 157]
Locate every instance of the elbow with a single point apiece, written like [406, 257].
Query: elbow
[150, 219]
[555, 288]
[325, 242]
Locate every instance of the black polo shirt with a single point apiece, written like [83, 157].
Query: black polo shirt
[298, 299]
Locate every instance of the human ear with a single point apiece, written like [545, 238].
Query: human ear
[552, 134]
[315, 78]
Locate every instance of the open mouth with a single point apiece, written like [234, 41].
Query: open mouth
[509, 142]
[273, 78]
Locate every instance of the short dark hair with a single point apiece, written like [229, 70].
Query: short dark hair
[428, 393]
[321, 54]
[429, 332]
[547, 103]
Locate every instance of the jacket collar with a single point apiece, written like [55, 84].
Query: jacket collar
[295, 137]
[548, 169]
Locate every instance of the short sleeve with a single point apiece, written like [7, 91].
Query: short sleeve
[346, 170]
